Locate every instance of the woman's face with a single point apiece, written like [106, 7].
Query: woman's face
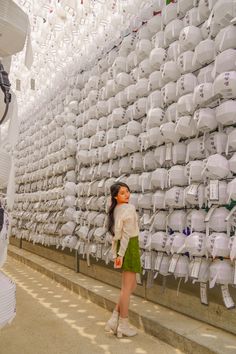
[123, 195]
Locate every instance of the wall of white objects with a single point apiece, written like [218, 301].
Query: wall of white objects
[157, 112]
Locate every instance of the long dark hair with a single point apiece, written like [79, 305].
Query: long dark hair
[114, 190]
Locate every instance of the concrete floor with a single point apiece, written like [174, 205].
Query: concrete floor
[52, 320]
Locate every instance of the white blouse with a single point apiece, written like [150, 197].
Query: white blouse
[126, 227]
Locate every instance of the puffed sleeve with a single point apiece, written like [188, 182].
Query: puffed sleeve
[128, 217]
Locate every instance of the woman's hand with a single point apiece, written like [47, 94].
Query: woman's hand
[118, 262]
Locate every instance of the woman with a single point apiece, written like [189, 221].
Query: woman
[123, 225]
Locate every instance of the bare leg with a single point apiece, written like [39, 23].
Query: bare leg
[128, 285]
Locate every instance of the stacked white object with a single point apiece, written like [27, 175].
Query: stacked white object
[157, 111]
[44, 210]
[7, 300]
[7, 286]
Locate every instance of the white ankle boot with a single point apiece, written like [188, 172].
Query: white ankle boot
[112, 323]
[125, 329]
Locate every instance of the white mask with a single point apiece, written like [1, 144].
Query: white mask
[99, 235]
[231, 190]
[174, 197]
[225, 61]
[203, 8]
[232, 247]
[204, 52]
[155, 81]
[186, 84]
[182, 268]
[158, 241]
[170, 71]
[145, 201]
[142, 87]
[149, 162]
[124, 166]
[186, 127]
[217, 167]
[194, 195]
[164, 267]
[131, 61]
[145, 69]
[92, 127]
[224, 12]
[99, 220]
[169, 93]
[192, 18]
[226, 38]
[193, 171]
[176, 221]
[158, 40]
[190, 37]
[231, 141]
[204, 271]
[84, 144]
[144, 32]
[119, 65]
[158, 56]
[82, 156]
[159, 178]
[185, 105]
[205, 74]
[139, 108]
[136, 162]
[217, 221]
[196, 220]
[226, 113]
[133, 183]
[115, 168]
[216, 143]
[171, 113]
[131, 143]
[145, 181]
[217, 245]
[202, 93]
[134, 128]
[174, 51]
[154, 100]
[156, 116]
[111, 135]
[154, 137]
[154, 24]
[225, 84]
[183, 6]
[158, 200]
[195, 244]
[168, 133]
[205, 119]
[221, 272]
[172, 31]
[134, 199]
[177, 176]
[178, 242]
[232, 163]
[179, 153]
[159, 221]
[195, 150]
[83, 232]
[185, 62]
[143, 48]
[169, 13]
[160, 154]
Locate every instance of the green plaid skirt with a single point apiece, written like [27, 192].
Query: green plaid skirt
[131, 260]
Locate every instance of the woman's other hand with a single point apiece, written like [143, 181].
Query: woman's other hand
[118, 262]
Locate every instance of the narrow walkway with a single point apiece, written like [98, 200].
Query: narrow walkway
[53, 320]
